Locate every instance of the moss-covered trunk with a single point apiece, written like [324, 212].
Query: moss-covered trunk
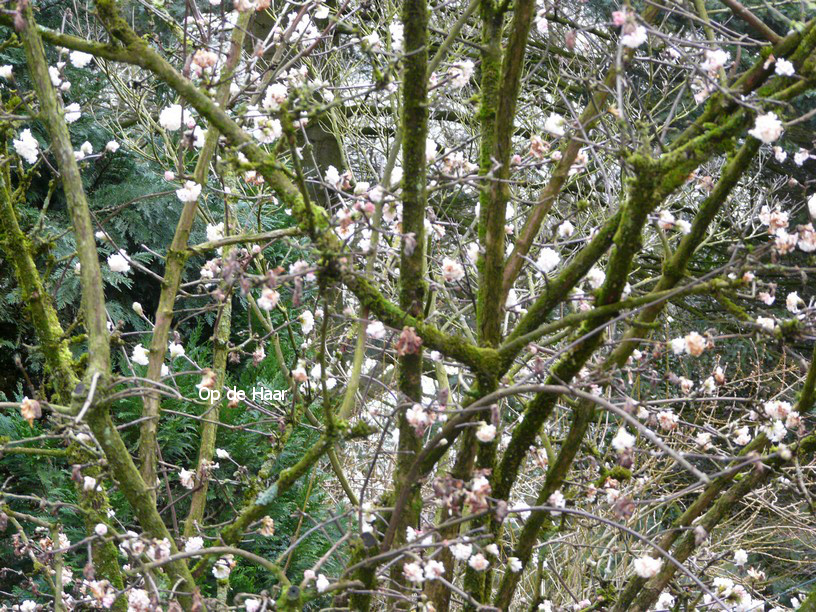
[412, 286]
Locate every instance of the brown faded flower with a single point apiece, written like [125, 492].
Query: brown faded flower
[409, 342]
[267, 526]
[624, 508]
[204, 58]
[449, 492]
[695, 344]
[478, 490]
[500, 510]
[538, 148]
[30, 409]
[208, 379]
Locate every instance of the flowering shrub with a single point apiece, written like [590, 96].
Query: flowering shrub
[467, 305]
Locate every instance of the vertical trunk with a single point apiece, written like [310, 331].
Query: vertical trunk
[17, 247]
[491, 219]
[51, 111]
[412, 253]
[501, 80]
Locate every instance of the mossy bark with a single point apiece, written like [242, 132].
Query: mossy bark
[496, 126]
[726, 504]
[559, 287]
[137, 493]
[209, 427]
[652, 182]
[492, 195]
[59, 370]
[711, 141]
[18, 249]
[412, 286]
[556, 474]
[52, 114]
[640, 202]
[641, 591]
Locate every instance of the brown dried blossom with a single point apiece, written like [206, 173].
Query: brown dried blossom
[409, 342]
[30, 410]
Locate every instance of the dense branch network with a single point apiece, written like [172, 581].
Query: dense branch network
[515, 295]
